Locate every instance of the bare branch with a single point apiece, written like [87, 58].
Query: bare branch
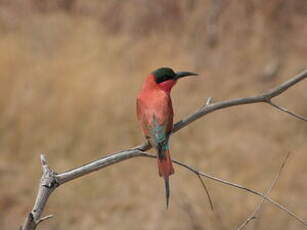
[124, 155]
[50, 180]
[278, 107]
[255, 212]
[286, 85]
[93, 166]
[47, 185]
[240, 101]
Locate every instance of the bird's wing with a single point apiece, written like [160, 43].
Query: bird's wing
[156, 119]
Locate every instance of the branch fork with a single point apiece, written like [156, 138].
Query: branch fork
[48, 184]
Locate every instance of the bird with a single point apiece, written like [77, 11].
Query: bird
[155, 116]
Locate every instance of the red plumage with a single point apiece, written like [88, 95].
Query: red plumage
[154, 108]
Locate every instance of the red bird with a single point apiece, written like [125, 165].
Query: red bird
[155, 115]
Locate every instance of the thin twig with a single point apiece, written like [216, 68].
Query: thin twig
[207, 191]
[256, 211]
[44, 218]
[275, 203]
[278, 107]
[209, 100]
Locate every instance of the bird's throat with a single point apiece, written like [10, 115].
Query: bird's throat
[167, 85]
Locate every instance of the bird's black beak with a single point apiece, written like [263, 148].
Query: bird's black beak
[184, 74]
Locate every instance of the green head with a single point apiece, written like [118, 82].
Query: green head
[166, 73]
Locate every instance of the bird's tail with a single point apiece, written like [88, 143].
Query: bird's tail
[165, 170]
[165, 164]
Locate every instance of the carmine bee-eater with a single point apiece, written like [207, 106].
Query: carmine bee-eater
[155, 115]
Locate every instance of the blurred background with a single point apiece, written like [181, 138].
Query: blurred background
[70, 71]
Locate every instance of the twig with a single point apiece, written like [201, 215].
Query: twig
[44, 218]
[278, 107]
[275, 203]
[50, 180]
[209, 100]
[255, 212]
[207, 191]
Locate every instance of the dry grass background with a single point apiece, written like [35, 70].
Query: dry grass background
[69, 75]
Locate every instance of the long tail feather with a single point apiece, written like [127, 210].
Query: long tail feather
[165, 170]
[167, 191]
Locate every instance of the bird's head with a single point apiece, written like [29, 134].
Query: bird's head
[166, 78]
